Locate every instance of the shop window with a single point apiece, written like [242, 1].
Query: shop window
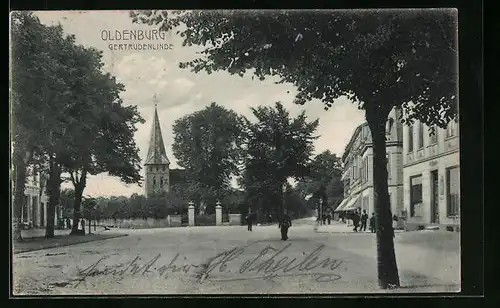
[451, 129]
[434, 136]
[420, 135]
[415, 193]
[453, 189]
[410, 138]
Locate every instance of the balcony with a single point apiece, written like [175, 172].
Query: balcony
[451, 143]
[432, 150]
[409, 157]
[420, 154]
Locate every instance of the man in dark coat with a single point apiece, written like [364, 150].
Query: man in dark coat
[355, 220]
[364, 219]
[372, 223]
[284, 223]
[250, 218]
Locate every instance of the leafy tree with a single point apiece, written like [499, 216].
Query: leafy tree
[39, 57]
[102, 136]
[207, 143]
[323, 181]
[66, 200]
[89, 207]
[233, 201]
[138, 206]
[380, 59]
[278, 147]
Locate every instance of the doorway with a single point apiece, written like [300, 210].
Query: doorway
[434, 197]
[34, 211]
[42, 214]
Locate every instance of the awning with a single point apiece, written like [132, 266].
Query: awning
[354, 203]
[349, 203]
[341, 205]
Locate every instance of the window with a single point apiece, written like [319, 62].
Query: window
[415, 193]
[25, 209]
[410, 138]
[154, 182]
[389, 124]
[420, 135]
[363, 175]
[157, 168]
[164, 168]
[453, 188]
[433, 136]
[366, 169]
[161, 182]
[451, 129]
[151, 168]
[388, 157]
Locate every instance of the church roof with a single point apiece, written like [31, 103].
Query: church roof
[156, 151]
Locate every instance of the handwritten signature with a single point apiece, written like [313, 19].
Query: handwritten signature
[219, 267]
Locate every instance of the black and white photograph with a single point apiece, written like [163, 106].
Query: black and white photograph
[250, 152]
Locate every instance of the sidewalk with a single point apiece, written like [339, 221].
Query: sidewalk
[340, 227]
[35, 239]
[422, 256]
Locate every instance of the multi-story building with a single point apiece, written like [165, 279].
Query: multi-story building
[431, 170]
[34, 208]
[358, 168]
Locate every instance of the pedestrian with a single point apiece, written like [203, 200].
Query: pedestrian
[284, 223]
[324, 219]
[364, 219]
[372, 223]
[329, 218]
[249, 221]
[394, 223]
[355, 220]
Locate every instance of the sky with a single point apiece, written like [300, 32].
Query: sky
[146, 73]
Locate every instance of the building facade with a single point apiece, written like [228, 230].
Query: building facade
[157, 165]
[34, 208]
[431, 171]
[358, 168]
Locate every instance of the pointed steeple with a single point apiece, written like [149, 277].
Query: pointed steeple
[156, 151]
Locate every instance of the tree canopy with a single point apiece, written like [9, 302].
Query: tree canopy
[278, 147]
[380, 59]
[91, 132]
[323, 182]
[208, 144]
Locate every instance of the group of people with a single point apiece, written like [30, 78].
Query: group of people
[361, 218]
[360, 221]
[326, 217]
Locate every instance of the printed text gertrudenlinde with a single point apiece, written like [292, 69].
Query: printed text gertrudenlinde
[135, 39]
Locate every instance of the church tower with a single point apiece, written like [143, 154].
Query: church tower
[157, 163]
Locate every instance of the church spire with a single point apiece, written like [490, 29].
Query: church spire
[156, 151]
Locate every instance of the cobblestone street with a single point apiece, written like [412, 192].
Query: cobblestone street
[192, 261]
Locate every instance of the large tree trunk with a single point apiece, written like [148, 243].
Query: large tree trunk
[54, 194]
[279, 198]
[21, 164]
[386, 259]
[79, 185]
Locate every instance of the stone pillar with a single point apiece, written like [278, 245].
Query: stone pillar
[191, 214]
[218, 214]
